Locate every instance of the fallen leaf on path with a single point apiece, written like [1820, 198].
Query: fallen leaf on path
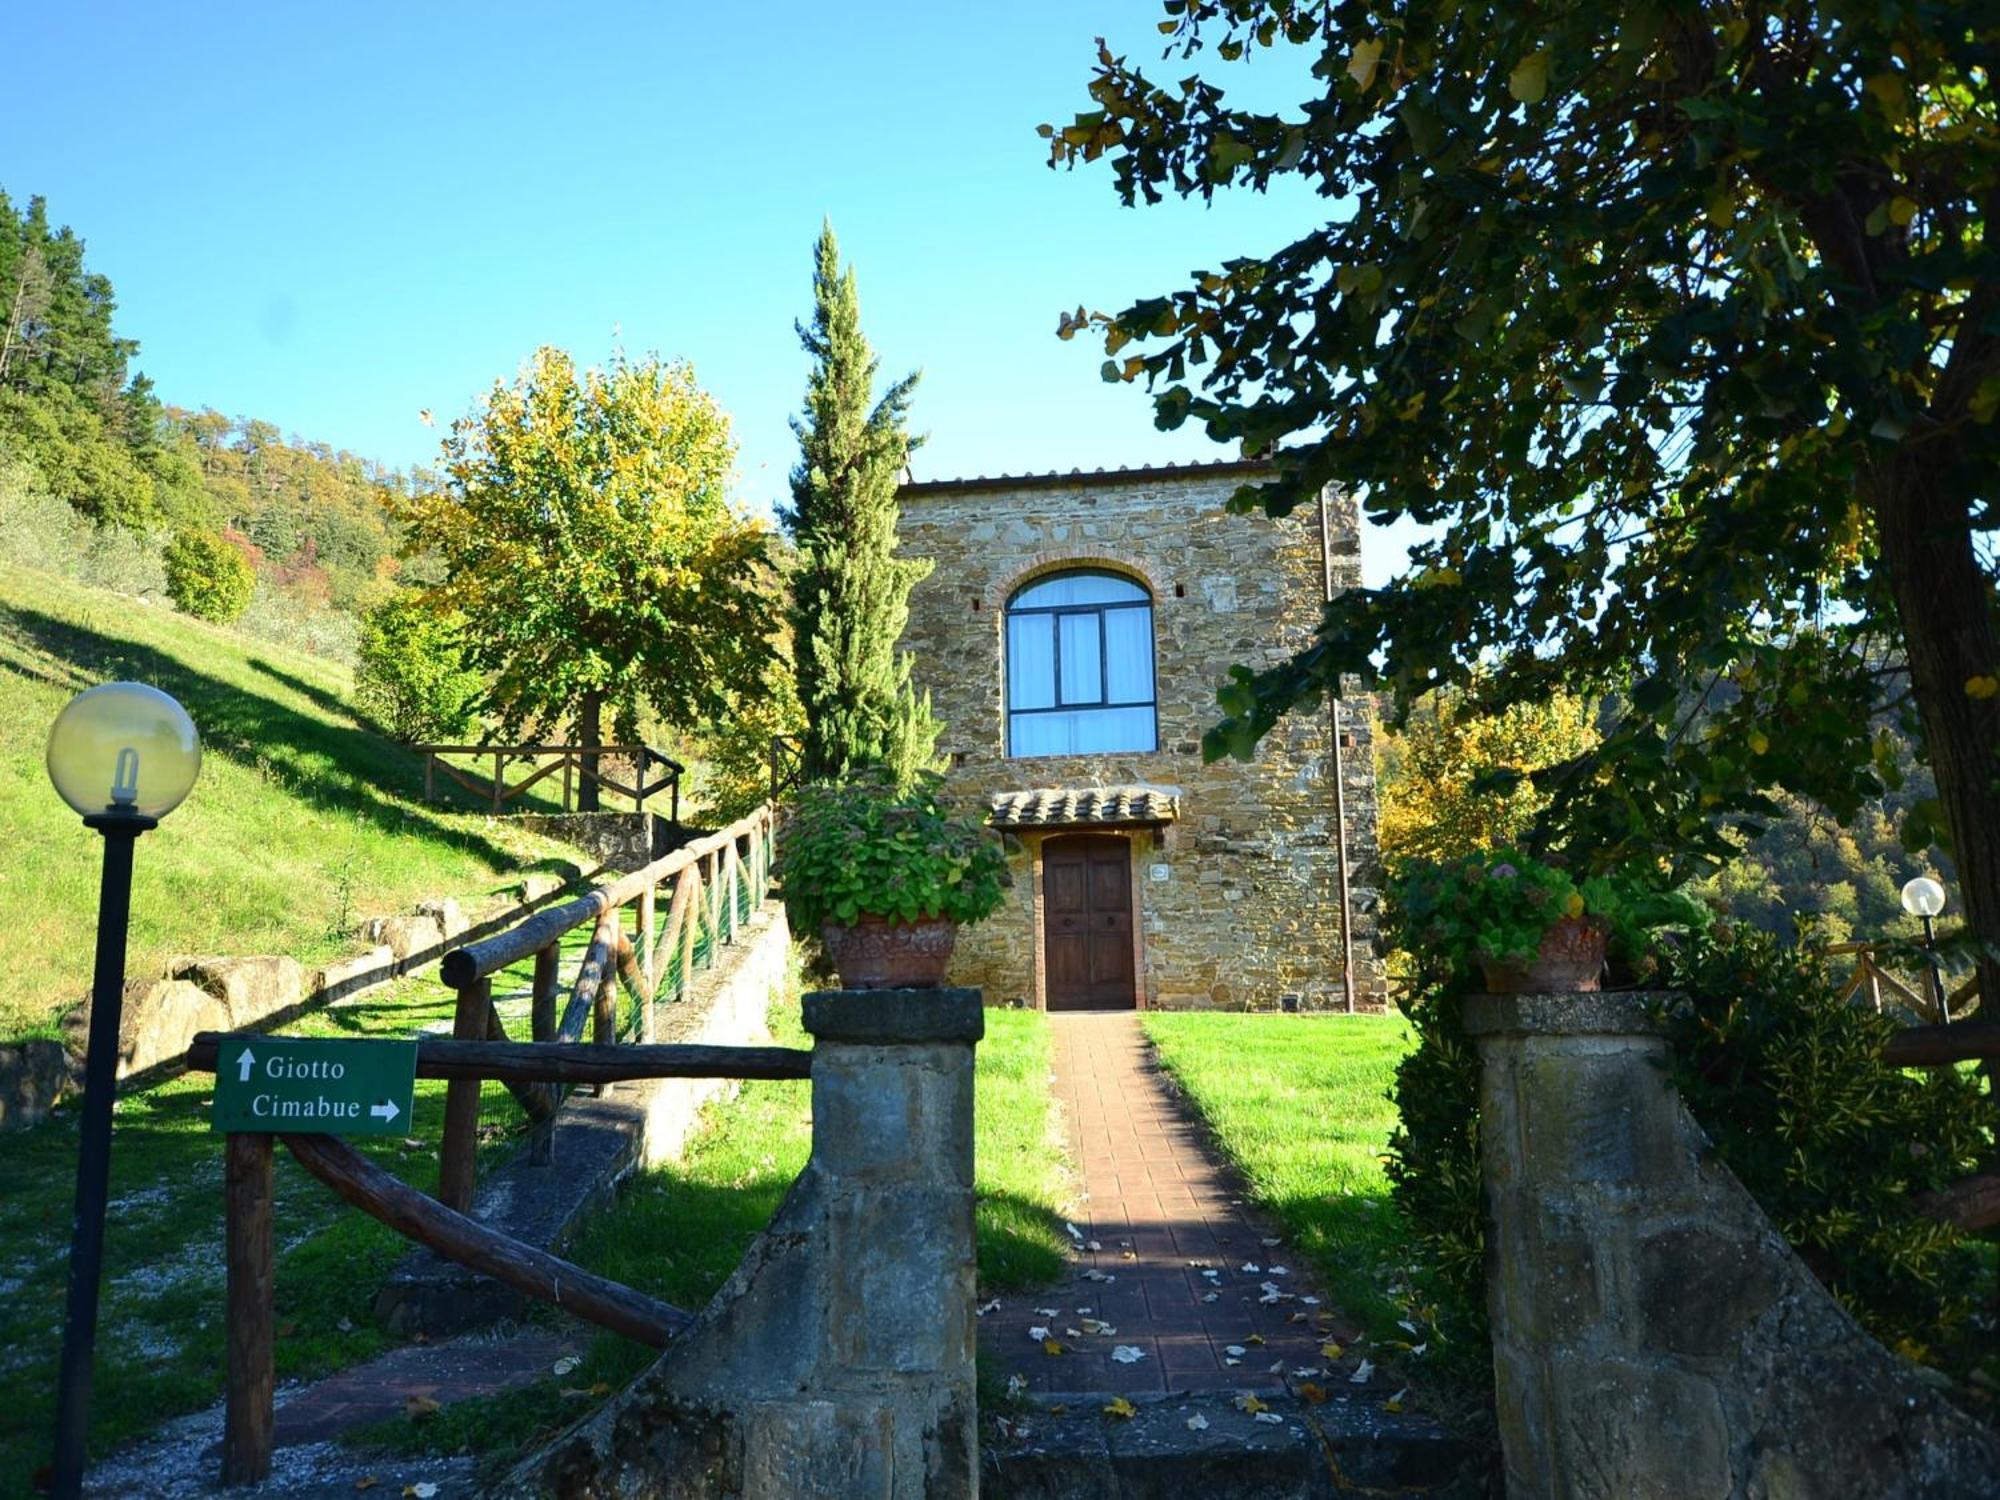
[564, 1365]
[1312, 1394]
[1395, 1402]
[1197, 1423]
[1127, 1354]
[416, 1408]
[366, 1482]
[1053, 1346]
[986, 1307]
[423, 1489]
[1235, 1349]
[1017, 1386]
[1363, 1373]
[1268, 1416]
[1329, 1350]
[1249, 1403]
[1038, 1332]
[1255, 1338]
[1120, 1408]
[1210, 1296]
[1248, 1268]
[1048, 1312]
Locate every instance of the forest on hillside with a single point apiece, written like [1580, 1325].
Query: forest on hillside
[100, 479]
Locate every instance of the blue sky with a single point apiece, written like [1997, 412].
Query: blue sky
[335, 217]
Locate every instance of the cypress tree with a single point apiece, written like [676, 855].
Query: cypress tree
[850, 594]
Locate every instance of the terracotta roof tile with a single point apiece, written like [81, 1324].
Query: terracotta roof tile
[1085, 807]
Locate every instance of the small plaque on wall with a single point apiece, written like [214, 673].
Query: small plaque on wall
[1159, 872]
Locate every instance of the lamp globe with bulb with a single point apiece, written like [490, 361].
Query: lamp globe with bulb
[124, 749]
[1923, 897]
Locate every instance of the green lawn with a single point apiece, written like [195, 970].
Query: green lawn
[679, 1231]
[160, 1335]
[303, 821]
[160, 1328]
[1300, 1105]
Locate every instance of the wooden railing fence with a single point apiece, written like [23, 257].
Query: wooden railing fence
[714, 885]
[1873, 980]
[578, 765]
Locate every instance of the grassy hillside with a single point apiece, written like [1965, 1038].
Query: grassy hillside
[302, 824]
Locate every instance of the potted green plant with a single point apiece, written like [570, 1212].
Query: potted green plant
[1530, 926]
[884, 876]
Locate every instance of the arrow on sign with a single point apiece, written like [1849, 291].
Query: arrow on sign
[384, 1111]
[245, 1060]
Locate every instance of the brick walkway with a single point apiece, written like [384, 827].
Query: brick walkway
[1166, 1253]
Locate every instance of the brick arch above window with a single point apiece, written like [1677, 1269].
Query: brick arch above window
[1143, 571]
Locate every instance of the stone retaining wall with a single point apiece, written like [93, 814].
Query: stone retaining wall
[1653, 1334]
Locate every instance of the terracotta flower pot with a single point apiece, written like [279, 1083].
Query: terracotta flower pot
[879, 954]
[1571, 958]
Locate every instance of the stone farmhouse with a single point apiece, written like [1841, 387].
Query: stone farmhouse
[1072, 636]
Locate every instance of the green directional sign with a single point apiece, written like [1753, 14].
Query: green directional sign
[316, 1086]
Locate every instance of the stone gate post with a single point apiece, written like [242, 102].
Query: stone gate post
[1653, 1335]
[838, 1358]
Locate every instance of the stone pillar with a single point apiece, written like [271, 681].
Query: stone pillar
[838, 1358]
[892, 1144]
[1653, 1335]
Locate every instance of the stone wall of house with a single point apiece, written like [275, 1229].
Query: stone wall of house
[1236, 903]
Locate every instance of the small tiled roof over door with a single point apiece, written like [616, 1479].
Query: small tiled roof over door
[1086, 807]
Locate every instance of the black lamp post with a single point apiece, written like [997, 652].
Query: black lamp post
[124, 756]
[1924, 897]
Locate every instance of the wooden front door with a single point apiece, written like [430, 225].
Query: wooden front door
[1087, 915]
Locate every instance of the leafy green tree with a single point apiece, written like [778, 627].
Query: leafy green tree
[1680, 325]
[850, 592]
[586, 537]
[207, 577]
[1452, 782]
[411, 676]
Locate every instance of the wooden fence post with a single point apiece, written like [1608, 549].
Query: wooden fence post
[542, 1028]
[646, 967]
[604, 1022]
[250, 1321]
[732, 881]
[430, 778]
[694, 905]
[542, 1004]
[458, 1157]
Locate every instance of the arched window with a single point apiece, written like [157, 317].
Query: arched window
[1080, 666]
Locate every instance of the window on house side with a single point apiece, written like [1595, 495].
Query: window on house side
[1080, 667]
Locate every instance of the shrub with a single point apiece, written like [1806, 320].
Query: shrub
[1789, 1084]
[411, 676]
[859, 848]
[208, 578]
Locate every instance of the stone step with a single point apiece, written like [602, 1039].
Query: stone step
[1338, 1449]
